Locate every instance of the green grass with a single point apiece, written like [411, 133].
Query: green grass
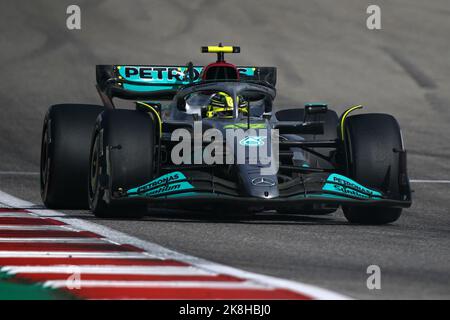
[13, 289]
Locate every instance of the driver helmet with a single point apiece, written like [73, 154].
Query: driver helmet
[221, 105]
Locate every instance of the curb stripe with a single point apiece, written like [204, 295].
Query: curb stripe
[72, 254]
[118, 266]
[89, 261]
[246, 285]
[53, 240]
[42, 277]
[40, 228]
[66, 247]
[13, 210]
[150, 270]
[29, 221]
[47, 233]
[185, 293]
[16, 215]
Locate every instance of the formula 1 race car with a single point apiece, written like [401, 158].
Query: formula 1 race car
[205, 138]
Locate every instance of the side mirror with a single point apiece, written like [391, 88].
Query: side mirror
[314, 108]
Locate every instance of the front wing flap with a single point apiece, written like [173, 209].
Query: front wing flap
[198, 187]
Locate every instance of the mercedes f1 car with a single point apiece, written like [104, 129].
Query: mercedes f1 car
[121, 161]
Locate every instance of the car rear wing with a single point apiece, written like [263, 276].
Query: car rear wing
[160, 82]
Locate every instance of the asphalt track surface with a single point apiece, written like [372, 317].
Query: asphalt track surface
[323, 52]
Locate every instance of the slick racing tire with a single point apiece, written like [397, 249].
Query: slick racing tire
[371, 141]
[122, 157]
[66, 138]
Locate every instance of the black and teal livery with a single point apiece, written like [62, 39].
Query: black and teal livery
[124, 165]
[177, 184]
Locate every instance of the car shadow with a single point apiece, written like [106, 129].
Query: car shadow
[266, 218]
[198, 216]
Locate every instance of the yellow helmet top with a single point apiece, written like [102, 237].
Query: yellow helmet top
[221, 104]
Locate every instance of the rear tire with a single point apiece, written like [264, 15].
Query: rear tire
[66, 138]
[371, 140]
[122, 154]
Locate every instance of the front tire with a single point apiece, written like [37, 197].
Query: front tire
[66, 138]
[122, 157]
[372, 145]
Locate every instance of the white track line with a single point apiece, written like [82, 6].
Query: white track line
[164, 253]
[160, 284]
[19, 173]
[131, 270]
[428, 181]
